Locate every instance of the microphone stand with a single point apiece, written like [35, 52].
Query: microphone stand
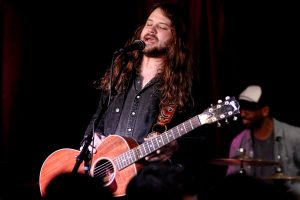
[85, 155]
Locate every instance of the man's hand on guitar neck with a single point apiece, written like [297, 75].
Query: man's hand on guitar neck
[165, 153]
[95, 142]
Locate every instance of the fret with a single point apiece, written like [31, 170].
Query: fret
[172, 133]
[159, 141]
[117, 163]
[155, 143]
[191, 124]
[166, 136]
[135, 154]
[152, 145]
[197, 122]
[148, 147]
[138, 152]
[129, 157]
[142, 150]
[120, 162]
[184, 127]
[178, 131]
[145, 150]
[123, 160]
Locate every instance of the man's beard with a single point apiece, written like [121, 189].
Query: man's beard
[155, 52]
[256, 123]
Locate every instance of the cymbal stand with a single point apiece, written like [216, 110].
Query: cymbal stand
[242, 153]
[242, 170]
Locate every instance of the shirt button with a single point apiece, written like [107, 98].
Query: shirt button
[138, 96]
[117, 109]
[133, 113]
[129, 129]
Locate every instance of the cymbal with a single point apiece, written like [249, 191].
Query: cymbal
[243, 161]
[281, 176]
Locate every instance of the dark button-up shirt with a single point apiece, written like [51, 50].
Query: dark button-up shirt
[132, 112]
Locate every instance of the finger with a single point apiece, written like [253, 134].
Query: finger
[102, 137]
[151, 135]
[153, 158]
[158, 151]
[92, 149]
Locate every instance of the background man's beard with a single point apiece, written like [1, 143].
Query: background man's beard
[257, 123]
[155, 52]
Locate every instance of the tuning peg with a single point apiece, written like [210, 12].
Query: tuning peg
[218, 124]
[227, 98]
[219, 101]
[226, 121]
[235, 118]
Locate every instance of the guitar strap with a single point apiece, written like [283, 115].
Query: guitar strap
[166, 113]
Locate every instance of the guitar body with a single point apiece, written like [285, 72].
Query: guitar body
[59, 162]
[102, 165]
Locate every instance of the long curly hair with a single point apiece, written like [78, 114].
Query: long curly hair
[176, 74]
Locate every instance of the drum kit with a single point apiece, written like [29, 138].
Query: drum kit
[244, 160]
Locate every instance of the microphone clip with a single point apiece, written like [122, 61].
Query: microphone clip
[136, 45]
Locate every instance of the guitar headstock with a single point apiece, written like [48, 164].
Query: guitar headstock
[221, 111]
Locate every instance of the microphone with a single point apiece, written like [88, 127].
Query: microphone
[136, 45]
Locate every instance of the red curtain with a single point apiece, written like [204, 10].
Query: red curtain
[66, 49]
[12, 55]
[205, 19]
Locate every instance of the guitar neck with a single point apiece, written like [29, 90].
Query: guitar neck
[156, 143]
[221, 111]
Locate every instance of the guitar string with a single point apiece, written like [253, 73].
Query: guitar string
[101, 170]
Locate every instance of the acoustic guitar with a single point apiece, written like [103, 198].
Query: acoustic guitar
[115, 162]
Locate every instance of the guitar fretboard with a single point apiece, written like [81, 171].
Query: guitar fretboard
[156, 143]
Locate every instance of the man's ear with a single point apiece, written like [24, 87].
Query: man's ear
[265, 110]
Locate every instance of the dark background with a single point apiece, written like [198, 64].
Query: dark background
[52, 51]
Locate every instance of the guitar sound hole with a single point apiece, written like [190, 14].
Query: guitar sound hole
[104, 170]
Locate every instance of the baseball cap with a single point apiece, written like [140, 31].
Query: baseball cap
[252, 97]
